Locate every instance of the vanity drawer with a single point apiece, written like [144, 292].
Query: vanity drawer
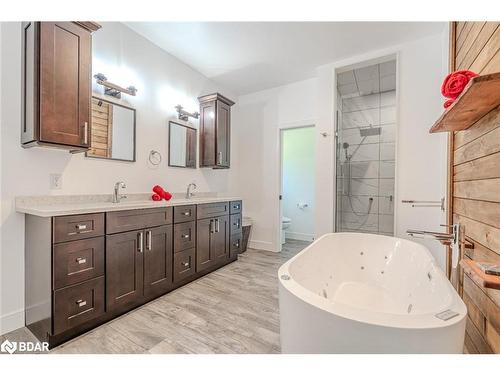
[207, 210]
[235, 244]
[78, 304]
[78, 261]
[235, 207]
[184, 213]
[184, 264]
[77, 227]
[123, 221]
[235, 223]
[184, 236]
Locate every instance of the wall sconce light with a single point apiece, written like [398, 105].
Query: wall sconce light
[184, 115]
[112, 89]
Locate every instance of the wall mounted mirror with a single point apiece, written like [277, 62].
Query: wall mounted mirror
[181, 145]
[112, 131]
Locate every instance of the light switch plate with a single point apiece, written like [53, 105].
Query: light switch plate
[55, 181]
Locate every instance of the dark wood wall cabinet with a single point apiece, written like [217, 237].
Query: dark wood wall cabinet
[83, 270]
[56, 84]
[215, 131]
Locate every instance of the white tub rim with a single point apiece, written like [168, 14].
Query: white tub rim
[384, 319]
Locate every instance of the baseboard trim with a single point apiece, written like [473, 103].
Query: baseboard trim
[11, 321]
[299, 236]
[261, 245]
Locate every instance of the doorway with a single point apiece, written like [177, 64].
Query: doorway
[366, 147]
[297, 186]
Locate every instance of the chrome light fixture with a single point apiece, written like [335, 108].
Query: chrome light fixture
[184, 115]
[112, 89]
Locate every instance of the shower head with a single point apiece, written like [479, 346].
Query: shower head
[366, 132]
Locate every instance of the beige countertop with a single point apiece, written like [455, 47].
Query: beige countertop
[60, 205]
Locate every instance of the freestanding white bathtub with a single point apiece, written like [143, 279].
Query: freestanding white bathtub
[367, 293]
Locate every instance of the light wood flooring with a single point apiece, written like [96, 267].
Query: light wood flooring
[232, 310]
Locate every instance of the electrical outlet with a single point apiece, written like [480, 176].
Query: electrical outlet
[55, 181]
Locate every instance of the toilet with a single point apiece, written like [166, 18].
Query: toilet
[285, 224]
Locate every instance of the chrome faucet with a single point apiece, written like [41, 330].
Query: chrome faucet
[189, 193]
[116, 193]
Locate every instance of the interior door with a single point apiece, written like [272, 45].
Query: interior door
[124, 268]
[65, 68]
[205, 256]
[158, 263]
[219, 240]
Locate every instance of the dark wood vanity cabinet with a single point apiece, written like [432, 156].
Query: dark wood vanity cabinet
[56, 84]
[139, 261]
[215, 131]
[83, 270]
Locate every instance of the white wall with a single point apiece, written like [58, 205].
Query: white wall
[123, 56]
[259, 117]
[420, 160]
[299, 169]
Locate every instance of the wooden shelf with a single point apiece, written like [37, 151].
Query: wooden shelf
[480, 96]
[472, 270]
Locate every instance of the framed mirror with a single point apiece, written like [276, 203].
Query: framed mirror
[112, 131]
[181, 145]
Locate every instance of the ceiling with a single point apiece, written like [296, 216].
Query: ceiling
[251, 56]
[368, 80]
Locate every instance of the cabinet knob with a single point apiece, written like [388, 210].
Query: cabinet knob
[187, 213]
[81, 226]
[185, 236]
[81, 303]
[185, 264]
[81, 260]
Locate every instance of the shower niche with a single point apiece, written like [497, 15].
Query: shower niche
[365, 148]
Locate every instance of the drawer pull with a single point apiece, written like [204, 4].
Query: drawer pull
[81, 260]
[140, 240]
[81, 303]
[149, 240]
[217, 226]
[236, 206]
[185, 264]
[237, 243]
[81, 226]
[185, 236]
[187, 213]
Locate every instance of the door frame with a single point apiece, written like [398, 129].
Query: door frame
[279, 207]
[359, 62]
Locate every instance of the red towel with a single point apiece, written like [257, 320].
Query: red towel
[162, 193]
[455, 82]
[448, 103]
[156, 197]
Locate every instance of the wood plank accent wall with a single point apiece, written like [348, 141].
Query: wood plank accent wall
[101, 128]
[474, 184]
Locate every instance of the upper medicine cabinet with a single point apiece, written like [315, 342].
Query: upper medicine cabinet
[181, 145]
[112, 131]
[56, 84]
[215, 135]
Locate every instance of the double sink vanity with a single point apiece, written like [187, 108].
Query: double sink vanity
[88, 260]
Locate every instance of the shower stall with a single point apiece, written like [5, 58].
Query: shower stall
[365, 148]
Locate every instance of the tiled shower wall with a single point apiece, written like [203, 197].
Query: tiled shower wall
[373, 164]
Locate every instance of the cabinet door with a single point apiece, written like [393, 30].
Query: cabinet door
[205, 257]
[158, 264]
[65, 69]
[222, 148]
[219, 240]
[207, 134]
[124, 268]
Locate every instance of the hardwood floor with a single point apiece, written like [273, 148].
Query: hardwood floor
[232, 310]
